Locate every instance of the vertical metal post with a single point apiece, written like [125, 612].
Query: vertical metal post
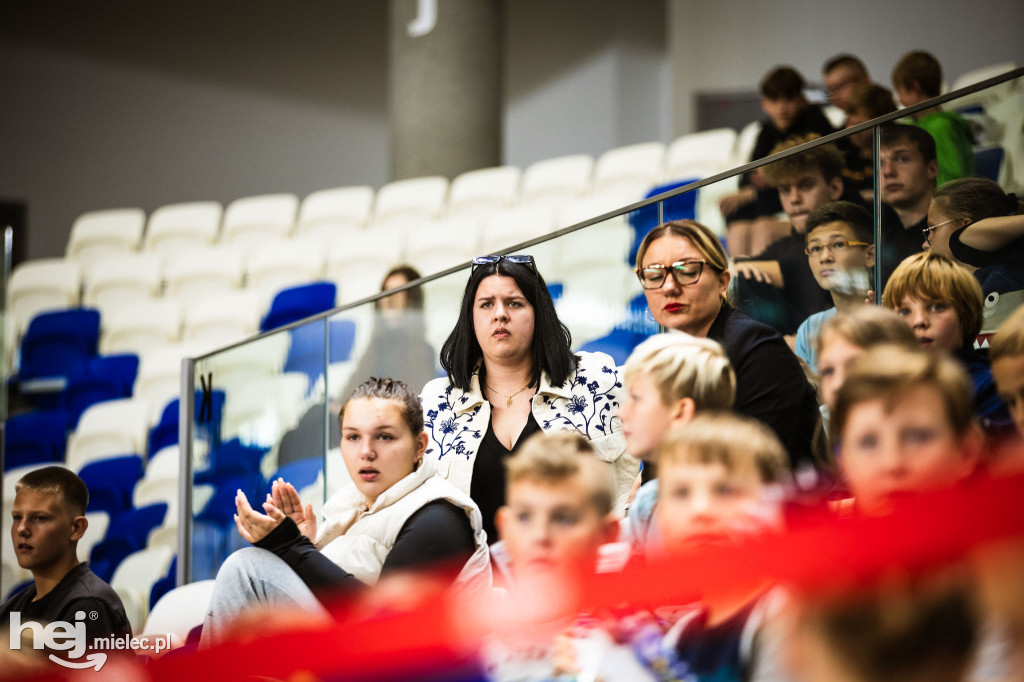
[186, 434]
[876, 146]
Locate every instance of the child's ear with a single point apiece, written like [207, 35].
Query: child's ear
[79, 525]
[869, 256]
[682, 412]
[835, 188]
[500, 521]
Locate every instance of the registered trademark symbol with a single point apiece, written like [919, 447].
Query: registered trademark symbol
[94, 615]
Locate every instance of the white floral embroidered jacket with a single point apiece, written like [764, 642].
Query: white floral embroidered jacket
[588, 402]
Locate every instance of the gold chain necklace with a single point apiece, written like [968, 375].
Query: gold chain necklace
[508, 398]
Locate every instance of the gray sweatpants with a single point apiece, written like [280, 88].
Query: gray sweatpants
[255, 577]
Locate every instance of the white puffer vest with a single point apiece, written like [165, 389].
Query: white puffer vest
[358, 538]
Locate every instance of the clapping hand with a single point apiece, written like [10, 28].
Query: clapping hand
[284, 497]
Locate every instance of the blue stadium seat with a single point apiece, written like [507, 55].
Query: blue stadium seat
[58, 344]
[220, 510]
[300, 473]
[126, 534]
[297, 303]
[165, 584]
[106, 377]
[618, 343]
[232, 458]
[111, 482]
[306, 352]
[683, 206]
[35, 437]
[166, 431]
[987, 162]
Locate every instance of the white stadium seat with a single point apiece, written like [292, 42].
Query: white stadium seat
[178, 228]
[98, 234]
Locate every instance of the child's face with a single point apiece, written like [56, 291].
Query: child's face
[1008, 372]
[943, 228]
[837, 255]
[783, 110]
[935, 323]
[42, 530]
[803, 193]
[702, 504]
[906, 177]
[645, 418]
[890, 454]
[837, 352]
[552, 526]
[908, 96]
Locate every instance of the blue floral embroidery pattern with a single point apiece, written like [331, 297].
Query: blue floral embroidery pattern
[450, 432]
[590, 409]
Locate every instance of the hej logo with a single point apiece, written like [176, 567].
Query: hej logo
[59, 636]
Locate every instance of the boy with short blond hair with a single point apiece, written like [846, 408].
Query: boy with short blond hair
[942, 302]
[1006, 351]
[889, 392]
[668, 378]
[557, 514]
[558, 509]
[721, 483]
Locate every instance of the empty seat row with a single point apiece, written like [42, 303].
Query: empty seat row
[246, 221]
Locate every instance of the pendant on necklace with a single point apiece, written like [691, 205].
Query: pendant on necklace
[508, 403]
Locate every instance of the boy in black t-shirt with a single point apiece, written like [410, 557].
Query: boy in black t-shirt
[749, 212]
[777, 286]
[48, 521]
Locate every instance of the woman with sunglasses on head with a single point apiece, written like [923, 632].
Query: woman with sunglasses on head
[511, 373]
[978, 225]
[684, 272]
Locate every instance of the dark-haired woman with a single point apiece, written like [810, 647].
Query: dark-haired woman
[512, 373]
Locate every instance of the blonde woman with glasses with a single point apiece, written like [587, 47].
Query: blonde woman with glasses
[684, 273]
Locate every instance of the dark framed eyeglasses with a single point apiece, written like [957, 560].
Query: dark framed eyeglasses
[685, 272]
[521, 259]
[833, 246]
[927, 231]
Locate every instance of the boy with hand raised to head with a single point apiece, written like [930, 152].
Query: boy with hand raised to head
[48, 521]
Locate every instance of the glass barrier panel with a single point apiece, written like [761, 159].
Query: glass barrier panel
[292, 383]
[942, 173]
[261, 415]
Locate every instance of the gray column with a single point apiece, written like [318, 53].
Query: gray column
[444, 89]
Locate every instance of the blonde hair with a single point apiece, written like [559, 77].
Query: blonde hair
[703, 239]
[867, 325]
[553, 458]
[1009, 337]
[890, 372]
[685, 366]
[935, 277]
[740, 444]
